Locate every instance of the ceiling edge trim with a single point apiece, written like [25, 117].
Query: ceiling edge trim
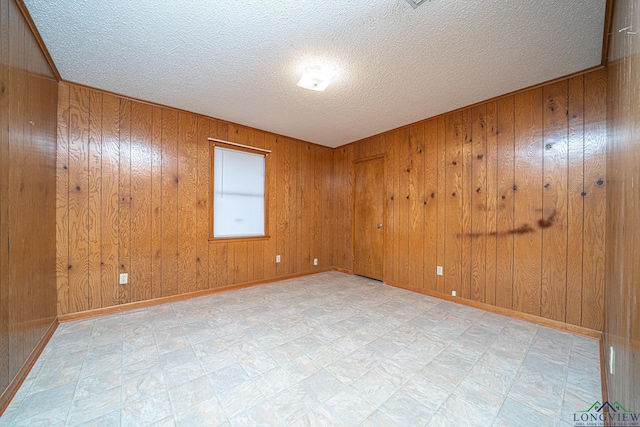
[495, 98]
[36, 34]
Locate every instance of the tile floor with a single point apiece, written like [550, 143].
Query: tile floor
[327, 349]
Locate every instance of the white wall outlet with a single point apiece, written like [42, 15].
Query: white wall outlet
[454, 293]
[439, 270]
[124, 278]
[612, 354]
[277, 258]
[315, 261]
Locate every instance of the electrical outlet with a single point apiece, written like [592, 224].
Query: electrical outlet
[439, 270]
[124, 278]
[315, 261]
[277, 258]
[612, 355]
[454, 293]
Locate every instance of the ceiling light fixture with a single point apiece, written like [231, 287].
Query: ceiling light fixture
[416, 3]
[316, 78]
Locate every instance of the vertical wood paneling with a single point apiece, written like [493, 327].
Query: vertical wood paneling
[109, 217]
[505, 229]
[554, 201]
[62, 199]
[124, 205]
[390, 210]
[187, 180]
[270, 143]
[492, 201]
[622, 317]
[498, 172]
[594, 199]
[156, 204]
[528, 202]
[29, 273]
[431, 204]
[78, 199]
[169, 202]
[141, 194]
[442, 202]
[467, 169]
[403, 206]
[575, 207]
[202, 205]
[95, 198]
[479, 203]
[453, 223]
[416, 205]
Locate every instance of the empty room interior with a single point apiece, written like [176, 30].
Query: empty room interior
[388, 213]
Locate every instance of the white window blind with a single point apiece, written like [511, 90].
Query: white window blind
[239, 183]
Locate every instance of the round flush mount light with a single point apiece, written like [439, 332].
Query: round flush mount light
[316, 78]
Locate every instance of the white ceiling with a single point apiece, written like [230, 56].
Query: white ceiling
[240, 60]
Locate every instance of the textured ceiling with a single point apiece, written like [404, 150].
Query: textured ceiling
[240, 60]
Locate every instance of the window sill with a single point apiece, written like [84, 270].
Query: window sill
[237, 239]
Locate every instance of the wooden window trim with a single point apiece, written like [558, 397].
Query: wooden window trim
[266, 235]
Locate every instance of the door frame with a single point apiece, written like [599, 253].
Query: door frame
[382, 157]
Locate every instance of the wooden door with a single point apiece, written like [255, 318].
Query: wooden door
[368, 219]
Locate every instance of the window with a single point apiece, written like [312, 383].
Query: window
[239, 184]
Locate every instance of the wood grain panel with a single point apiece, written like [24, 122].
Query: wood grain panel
[594, 199]
[479, 203]
[94, 200]
[554, 201]
[390, 204]
[109, 213]
[431, 204]
[270, 250]
[202, 204]
[141, 201]
[156, 204]
[453, 224]
[187, 181]
[467, 170]
[403, 207]
[505, 228]
[622, 317]
[575, 206]
[417, 203]
[124, 204]
[492, 202]
[29, 272]
[62, 199]
[491, 241]
[169, 202]
[78, 199]
[528, 202]
[4, 208]
[442, 202]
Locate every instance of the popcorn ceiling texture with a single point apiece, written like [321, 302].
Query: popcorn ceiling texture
[240, 60]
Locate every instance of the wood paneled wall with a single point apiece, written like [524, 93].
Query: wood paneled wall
[622, 324]
[28, 92]
[508, 196]
[133, 197]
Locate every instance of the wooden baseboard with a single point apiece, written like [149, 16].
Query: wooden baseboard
[589, 333]
[343, 270]
[163, 300]
[14, 385]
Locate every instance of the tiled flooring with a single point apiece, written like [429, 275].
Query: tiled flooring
[327, 349]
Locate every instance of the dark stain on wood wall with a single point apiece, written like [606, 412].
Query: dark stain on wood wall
[508, 196]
